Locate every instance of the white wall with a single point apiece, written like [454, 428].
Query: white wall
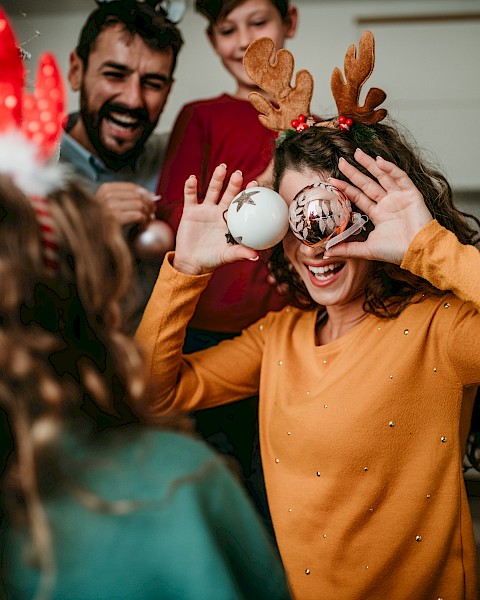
[429, 69]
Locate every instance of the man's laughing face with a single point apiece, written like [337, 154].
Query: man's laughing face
[123, 92]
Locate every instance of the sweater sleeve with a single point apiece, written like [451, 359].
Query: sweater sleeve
[184, 157]
[181, 383]
[435, 254]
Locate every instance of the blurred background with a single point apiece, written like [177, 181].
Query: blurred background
[427, 60]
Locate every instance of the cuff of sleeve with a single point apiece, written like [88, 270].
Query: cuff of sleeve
[169, 272]
[427, 240]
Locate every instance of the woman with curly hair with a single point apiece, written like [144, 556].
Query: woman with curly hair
[95, 505]
[389, 288]
[366, 383]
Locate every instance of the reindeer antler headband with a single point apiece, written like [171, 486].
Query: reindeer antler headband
[30, 125]
[292, 107]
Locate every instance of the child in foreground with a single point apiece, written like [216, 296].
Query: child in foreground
[93, 504]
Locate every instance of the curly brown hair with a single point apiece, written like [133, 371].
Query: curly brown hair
[66, 327]
[389, 289]
[64, 359]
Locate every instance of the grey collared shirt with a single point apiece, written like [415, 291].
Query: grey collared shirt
[92, 172]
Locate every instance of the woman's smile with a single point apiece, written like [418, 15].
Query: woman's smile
[322, 274]
[329, 281]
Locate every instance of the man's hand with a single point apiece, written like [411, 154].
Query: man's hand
[127, 202]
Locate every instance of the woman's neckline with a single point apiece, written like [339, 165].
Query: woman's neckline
[321, 321]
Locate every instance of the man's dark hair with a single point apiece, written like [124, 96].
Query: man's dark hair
[137, 18]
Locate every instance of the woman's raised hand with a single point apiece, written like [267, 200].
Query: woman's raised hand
[394, 205]
[201, 245]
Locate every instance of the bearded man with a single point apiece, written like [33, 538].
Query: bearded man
[123, 68]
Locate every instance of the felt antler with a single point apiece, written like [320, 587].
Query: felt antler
[358, 68]
[294, 101]
[275, 80]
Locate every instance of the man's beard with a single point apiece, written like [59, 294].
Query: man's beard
[92, 121]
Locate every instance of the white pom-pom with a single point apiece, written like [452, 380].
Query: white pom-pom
[20, 160]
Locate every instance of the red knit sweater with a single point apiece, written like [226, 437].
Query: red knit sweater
[206, 133]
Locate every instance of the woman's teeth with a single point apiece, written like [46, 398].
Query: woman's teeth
[326, 272]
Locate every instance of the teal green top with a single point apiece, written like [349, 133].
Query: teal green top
[154, 514]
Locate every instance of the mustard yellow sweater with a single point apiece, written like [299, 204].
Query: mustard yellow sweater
[362, 439]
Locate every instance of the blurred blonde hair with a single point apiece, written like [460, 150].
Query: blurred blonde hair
[63, 355]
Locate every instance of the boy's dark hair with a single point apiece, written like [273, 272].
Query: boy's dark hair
[137, 18]
[213, 10]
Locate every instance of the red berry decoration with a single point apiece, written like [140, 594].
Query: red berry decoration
[344, 123]
[300, 123]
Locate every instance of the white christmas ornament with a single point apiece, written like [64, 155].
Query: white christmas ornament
[258, 218]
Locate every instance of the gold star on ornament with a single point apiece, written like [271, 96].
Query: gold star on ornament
[244, 198]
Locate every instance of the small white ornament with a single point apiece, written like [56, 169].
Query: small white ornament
[258, 218]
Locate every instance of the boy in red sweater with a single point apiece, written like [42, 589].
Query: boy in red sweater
[225, 129]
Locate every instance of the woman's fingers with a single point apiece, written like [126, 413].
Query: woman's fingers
[387, 183]
[216, 184]
[391, 177]
[349, 250]
[190, 191]
[233, 188]
[236, 252]
[394, 173]
[215, 187]
[370, 187]
[355, 195]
